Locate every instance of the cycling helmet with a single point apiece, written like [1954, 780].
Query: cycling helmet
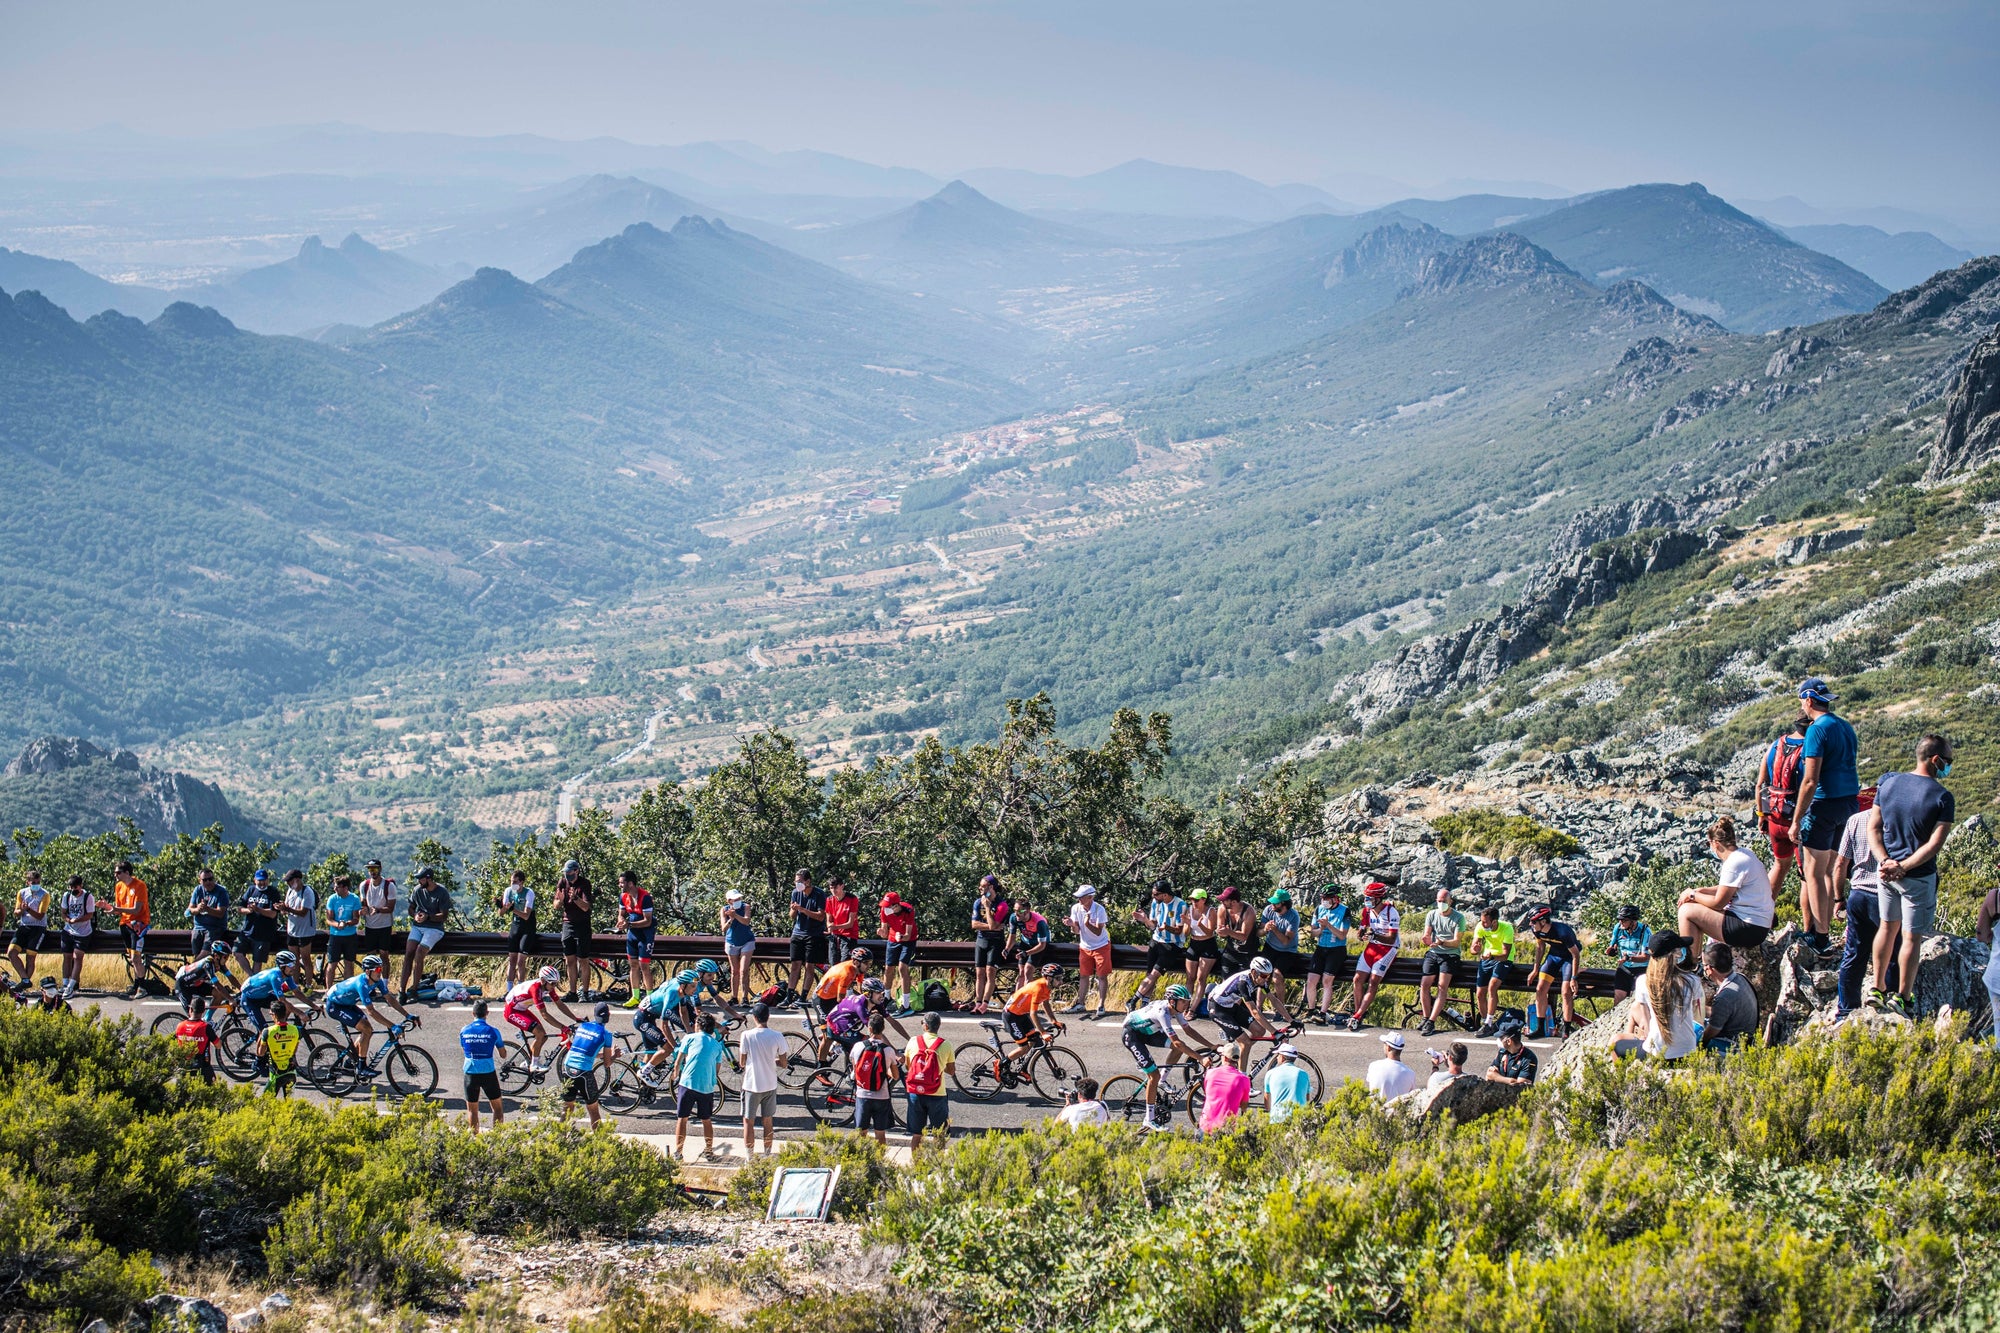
[1179, 992]
[286, 958]
[1261, 966]
[1539, 915]
[873, 986]
[1376, 890]
[688, 977]
[218, 946]
[372, 963]
[548, 976]
[1051, 970]
[861, 956]
[708, 967]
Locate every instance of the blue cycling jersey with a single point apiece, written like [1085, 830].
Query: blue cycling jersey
[584, 1044]
[358, 991]
[267, 985]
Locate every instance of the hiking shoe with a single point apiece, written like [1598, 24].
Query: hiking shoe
[1894, 1004]
[1486, 1030]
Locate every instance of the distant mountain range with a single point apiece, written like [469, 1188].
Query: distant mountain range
[1894, 259]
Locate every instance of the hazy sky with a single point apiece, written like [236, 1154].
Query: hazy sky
[1841, 102]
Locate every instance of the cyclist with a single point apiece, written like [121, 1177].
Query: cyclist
[1558, 955]
[1028, 934]
[197, 1038]
[1381, 927]
[342, 910]
[1492, 944]
[663, 1004]
[1166, 915]
[635, 909]
[854, 1013]
[351, 1003]
[1631, 944]
[1162, 1022]
[526, 1009]
[259, 936]
[1236, 1004]
[1444, 942]
[708, 976]
[31, 923]
[195, 982]
[277, 1051]
[1029, 1006]
[482, 1043]
[589, 1046]
[834, 986]
[134, 904]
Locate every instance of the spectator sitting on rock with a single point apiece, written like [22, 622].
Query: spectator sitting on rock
[1858, 873]
[1912, 817]
[1666, 1008]
[1732, 1010]
[1448, 1064]
[1514, 1063]
[1739, 909]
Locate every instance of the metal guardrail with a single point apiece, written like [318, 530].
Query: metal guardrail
[930, 953]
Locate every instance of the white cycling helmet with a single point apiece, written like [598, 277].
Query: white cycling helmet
[1261, 966]
[549, 975]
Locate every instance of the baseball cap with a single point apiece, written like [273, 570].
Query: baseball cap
[261, 876]
[1084, 891]
[1816, 689]
[733, 896]
[1289, 1051]
[1199, 894]
[1393, 1040]
[1281, 896]
[892, 899]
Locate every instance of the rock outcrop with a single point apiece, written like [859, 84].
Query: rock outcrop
[1962, 299]
[1637, 301]
[1500, 260]
[1971, 435]
[1789, 357]
[1810, 546]
[1395, 251]
[95, 787]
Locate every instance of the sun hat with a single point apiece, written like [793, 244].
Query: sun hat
[1288, 1051]
[1084, 891]
[1393, 1040]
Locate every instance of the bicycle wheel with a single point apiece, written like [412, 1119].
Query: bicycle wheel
[1315, 1081]
[829, 1098]
[411, 1071]
[238, 1044]
[800, 1062]
[1055, 1070]
[618, 989]
[1126, 1096]
[1412, 1019]
[976, 1071]
[164, 1025]
[516, 1072]
[619, 1095]
[728, 1075]
[332, 1071]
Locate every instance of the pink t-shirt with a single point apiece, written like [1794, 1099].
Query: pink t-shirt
[1225, 1089]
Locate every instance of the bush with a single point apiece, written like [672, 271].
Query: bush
[52, 1268]
[865, 1172]
[366, 1233]
[546, 1179]
[1654, 889]
[1486, 832]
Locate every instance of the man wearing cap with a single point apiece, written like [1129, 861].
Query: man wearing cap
[739, 943]
[1329, 956]
[1513, 1064]
[378, 908]
[1280, 924]
[1829, 793]
[1092, 925]
[259, 937]
[575, 899]
[429, 906]
[1389, 1078]
[899, 949]
[1287, 1087]
[1444, 942]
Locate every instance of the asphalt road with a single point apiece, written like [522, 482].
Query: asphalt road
[1340, 1055]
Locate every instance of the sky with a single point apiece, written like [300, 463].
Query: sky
[1843, 103]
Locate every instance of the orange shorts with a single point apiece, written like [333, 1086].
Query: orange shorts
[1093, 963]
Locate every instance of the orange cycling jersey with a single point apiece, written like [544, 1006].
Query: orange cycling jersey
[1029, 997]
[839, 979]
[133, 902]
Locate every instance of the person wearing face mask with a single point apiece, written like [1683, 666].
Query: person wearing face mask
[1912, 817]
[1739, 909]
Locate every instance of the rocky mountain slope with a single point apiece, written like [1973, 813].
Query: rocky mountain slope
[63, 784]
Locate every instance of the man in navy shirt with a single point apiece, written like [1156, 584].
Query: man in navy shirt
[1829, 792]
[1912, 817]
[481, 1042]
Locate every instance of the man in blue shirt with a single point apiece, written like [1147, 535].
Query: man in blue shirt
[1912, 817]
[695, 1061]
[343, 928]
[482, 1043]
[1829, 793]
[272, 983]
[589, 1046]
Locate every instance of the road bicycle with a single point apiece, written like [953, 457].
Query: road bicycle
[608, 979]
[409, 1068]
[802, 1060]
[519, 1072]
[981, 1072]
[1181, 1090]
[831, 1099]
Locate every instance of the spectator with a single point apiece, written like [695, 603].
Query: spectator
[1092, 925]
[763, 1053]
[517, 905]
[1738, 910]
[1225, 1090]
[1558, 960]
[1829, 793]
[378, 910]
[1167, 953]
[808, 946]
[1281, 941]
[342, 910]
[258, 939]
[926, 1060]
[899, 934]
[1329, 956]
[1203, 952]
[635, 913]
[1777, 798]
[989, 941]
[1084, 1108]
[1732, 1010]
[1989, 912]
[574, 899]
[31, 921]
[1381, 929]
[1513, 1063]
[1631, 942]
[1912, 817]
[430, 905]
[1857, 871]
[133, 902]
[301, 922]
[1448, 1064]
[1492, 944]
[208, 914]
[1029, 937]
[876, 1066]
[695, 1061]
[843, 920]
[1287, 1086]
[1235, 932]
[79, 914]
[197, 1038]
[1667, 1006]
[1389, 1078]
[1444, 942]
[739, 943]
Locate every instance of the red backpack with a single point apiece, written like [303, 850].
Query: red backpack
[871, 1067]
[925, 1076]
[1781, 785]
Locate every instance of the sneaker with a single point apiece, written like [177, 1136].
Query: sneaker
[1429, 1029]
[633, 1003]
[1895, 1004]
[1354, 1024]
[569, 997]
[1486, 1030]
[1076, 1008]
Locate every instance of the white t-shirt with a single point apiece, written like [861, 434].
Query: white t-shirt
[34, 904]
[1679, 1038]
[1091, 924]
[301, 899]
[1753, 888]
[1390, 1079]
[376, 896]
[1084, 1113]
[762, 1049]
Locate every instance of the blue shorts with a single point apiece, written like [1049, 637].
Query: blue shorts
[347, 1015]
[897, 955]
[928, 1111]
[1555, 965]
[1492, 969]
[1826, 820]
[639, 943]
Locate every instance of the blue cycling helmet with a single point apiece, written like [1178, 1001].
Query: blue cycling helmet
[708, 967]
[218, 946]
[688, 977]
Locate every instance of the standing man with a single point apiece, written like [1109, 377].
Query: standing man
[343, 929]
[1444, 942]
[79, 913]
[589, 1046]
[301, 907]
[1092, 925]
[429, 906]
[574, 900]
[134, 904]
[258, 939]
[989, 941]
[1281, 941]
[481, 1042]
[808, 949]
[899, 930]
[378, 910]
[695, 1062]
[1381, 930]
[1860, 871]
[1777, 798]
[843, 919]
[926, 1060]
[763, 1053]
[1389, 1078]
[1329, 955]
[1829, 793]
[635, 905]
[517, 906]
[31, 924]
[208, 914]
[1558, 959]
[1167, 915]
[1912, 817]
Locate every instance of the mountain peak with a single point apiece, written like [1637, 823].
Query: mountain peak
[958, 194]
[311, 245]
[187, 320]
[1502, 259]
[353, 245]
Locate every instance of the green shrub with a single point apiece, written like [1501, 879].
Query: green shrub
[544, 1178]
[366, 1232]
[865, 1172]
[52, 1268]
[1487, 832]
[1655, 889]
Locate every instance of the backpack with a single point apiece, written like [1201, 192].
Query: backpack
[925, 1076]
[1781, 789]
[775, 995]
[937, 997]
[871, 1067]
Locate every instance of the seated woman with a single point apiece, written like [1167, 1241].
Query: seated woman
[1738, 910]
[1666, 1007]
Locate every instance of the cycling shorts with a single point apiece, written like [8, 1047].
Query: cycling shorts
[1375, 959]
[478, 1086]
[987, 950]
[1556, 965]
[1142, 1045]
[521, 937]
[639, 943]
[648, 1028]
[134, 937]
[1233, 1019]
[28, 939]
[521, 1019]
[1022, 1027]
[347, 1015]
